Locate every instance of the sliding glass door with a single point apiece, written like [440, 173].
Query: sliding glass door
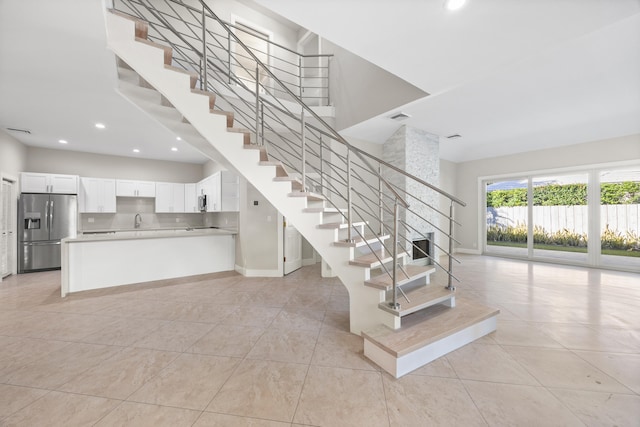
[560, 217]
[584, 218]
[507, 217]
[620, 218]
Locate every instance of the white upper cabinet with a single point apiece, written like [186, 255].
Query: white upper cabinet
[48, 183]
[170, 197]
[191, 198]
[221, 190]
[97, 195]
[127, 188]
[229, 192]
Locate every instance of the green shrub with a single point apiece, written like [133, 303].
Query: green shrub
[611, 193]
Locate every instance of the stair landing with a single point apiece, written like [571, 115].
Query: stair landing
[427, 335]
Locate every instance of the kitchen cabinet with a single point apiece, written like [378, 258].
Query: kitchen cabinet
[221, 190]
[229, 192]
[48, 183]
[169, 197]
[127, 188]
[97, 195]
[210, 187]
[191, 198]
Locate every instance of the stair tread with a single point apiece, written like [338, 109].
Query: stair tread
[340, 225]
[383, 281]
[359, 241]
[309, 195]
[374, 258]
[323, 210]
[191, 74]
[419, 298]
[425, 327]
[154, 44]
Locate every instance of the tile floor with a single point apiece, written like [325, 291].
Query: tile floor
[234, 351]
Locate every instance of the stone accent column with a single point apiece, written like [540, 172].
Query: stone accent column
[418, 153]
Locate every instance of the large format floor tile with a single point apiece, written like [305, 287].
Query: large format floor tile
[225, 350]
[261, 389]
[342, 397]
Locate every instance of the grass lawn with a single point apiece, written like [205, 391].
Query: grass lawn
[617, 252]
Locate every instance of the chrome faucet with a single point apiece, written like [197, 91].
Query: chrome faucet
[137, 221]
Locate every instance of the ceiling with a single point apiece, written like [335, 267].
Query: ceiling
[509, 76]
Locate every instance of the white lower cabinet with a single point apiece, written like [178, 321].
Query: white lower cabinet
[97, 195]
[170, 197]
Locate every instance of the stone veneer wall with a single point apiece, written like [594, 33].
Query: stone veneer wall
[418, 153]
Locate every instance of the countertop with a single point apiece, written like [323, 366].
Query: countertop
[147, 233]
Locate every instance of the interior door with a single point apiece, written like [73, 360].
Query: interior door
[292, 248]
[7, 221]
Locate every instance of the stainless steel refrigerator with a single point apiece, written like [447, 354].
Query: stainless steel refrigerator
[43, 220]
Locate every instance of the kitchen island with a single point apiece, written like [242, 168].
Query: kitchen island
[102, 260]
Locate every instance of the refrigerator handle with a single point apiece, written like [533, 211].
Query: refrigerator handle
[51, 215]
[46, 214]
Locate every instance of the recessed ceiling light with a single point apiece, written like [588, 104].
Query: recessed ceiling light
[100, 126]
[178, 138]
[174, 149]
[454, 4]
[63, 141]
[135, 150]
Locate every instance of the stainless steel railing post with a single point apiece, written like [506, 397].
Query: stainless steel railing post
[257, 102]
[303, 132]
[380, 207]
[394, 302]
[349, 205]
[228, 55]
[451, 224]
[262, 124]
[203, 77]
[321, 167]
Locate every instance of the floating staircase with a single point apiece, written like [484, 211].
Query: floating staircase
[404, 326]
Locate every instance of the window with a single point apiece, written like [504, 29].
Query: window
[585, 218]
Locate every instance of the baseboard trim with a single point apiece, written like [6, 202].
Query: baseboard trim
[248, 272]
[468, 251]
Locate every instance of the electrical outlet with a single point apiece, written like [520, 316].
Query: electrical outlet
[91, 220]
[268, 218]
[177, 219]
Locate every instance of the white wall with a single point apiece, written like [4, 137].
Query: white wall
[586, 154]
[257, 244]
[361, 90]
[13, 155]
[102, 166]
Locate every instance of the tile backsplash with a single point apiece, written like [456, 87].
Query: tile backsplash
[128, 207]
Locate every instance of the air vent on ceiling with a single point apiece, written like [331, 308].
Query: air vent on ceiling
[454, 136]
[399, 116]
[19, 130]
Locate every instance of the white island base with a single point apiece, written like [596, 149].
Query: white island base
[102, 261]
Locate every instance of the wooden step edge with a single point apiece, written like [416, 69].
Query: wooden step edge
[360, 242]
[193, 76]
[415, 272]
[324, 210]
[229, 115]
[142, 27]
[340, 225]
[420, 299]
[211, 95]
[429, 326]
[168, 52]
[270, 163]
[307, 194]
[246, 134]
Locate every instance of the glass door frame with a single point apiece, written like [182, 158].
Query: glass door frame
[594, 253]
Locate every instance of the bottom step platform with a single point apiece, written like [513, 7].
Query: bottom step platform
[428, 335]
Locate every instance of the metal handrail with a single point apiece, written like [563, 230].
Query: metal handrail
[265, 115]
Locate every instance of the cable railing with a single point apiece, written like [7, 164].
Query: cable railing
[386, 210]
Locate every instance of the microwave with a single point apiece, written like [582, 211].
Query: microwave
[202, 203]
